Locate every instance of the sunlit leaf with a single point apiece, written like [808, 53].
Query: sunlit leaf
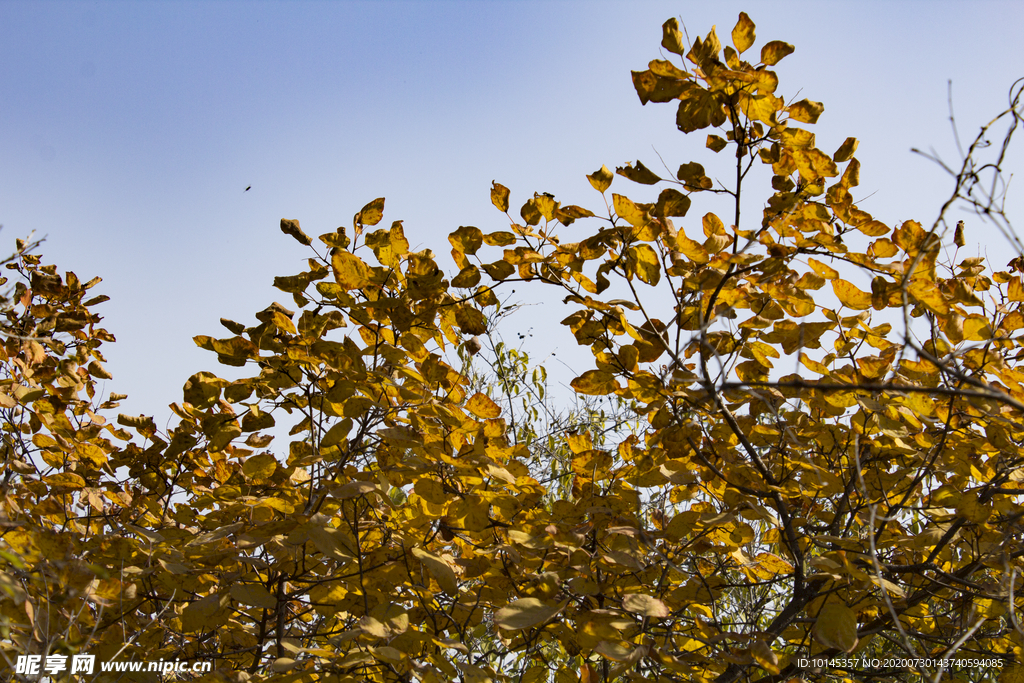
[743, 33]
[645, 605]
[773, 52]
[525, 613]
[836, 626]
[601, 179]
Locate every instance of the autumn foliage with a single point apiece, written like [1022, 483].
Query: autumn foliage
[817, 451]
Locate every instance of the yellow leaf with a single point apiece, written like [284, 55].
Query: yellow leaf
[439, 569]
[502, 238]
[672, 38]
[836, 626]
[328, 541]
[989, 608]
[845, 151]
[467, 239]
[977, 328]
[97, 370]
[927, 293]
[349, 270]
[625, 208]
[371, 213]
[743, 33]
[525, 613]
[614, 650]
[601, 179]
[354, 489]
[202, 615]
[482, 406]
[873, 228]
[499, 196]
[850, 296]
[645, 605]
[336, 433]
[65, 480]
[471, 513]
[806, 111]
[260, 467]
[595, 383]
[882, 248]
[253, 594]
[648, 269]
[712, 225]
[763, 655]
[773, 52]
[973, 510]
[1015, 292]
[282, 664]
[579, 443]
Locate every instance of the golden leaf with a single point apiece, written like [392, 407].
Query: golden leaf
[439, 569]
[850, 296]
[499, 196]
[773, 52]
[601, 179]
[743, 33]
[482, 406]
[253, 594]
[349, 270]
[645, 605]
[836, 626]
[525, 613]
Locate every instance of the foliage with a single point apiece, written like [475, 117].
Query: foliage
[725, 520]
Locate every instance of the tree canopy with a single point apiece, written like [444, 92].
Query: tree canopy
[808, 446]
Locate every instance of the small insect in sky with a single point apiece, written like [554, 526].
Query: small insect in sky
[248, 188]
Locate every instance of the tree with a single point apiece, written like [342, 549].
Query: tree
[728, 522]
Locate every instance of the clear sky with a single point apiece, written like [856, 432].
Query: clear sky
[130, 130]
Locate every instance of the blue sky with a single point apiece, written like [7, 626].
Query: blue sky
[129, 131]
